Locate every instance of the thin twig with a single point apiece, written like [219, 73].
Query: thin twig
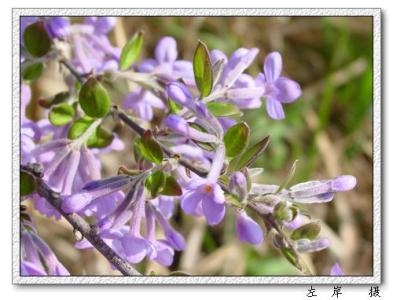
[78, 223]
[80, 77]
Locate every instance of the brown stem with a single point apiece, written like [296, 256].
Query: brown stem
[78, 223]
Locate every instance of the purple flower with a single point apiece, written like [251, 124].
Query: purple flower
[316, 191]
[180, 125]
[37, 258]
[204, 196]
[142, 103]
[278, 89]
[67, 165]
[180, 94]
[336, 270]
[239, 61]
[248, 231]
[58, 27]
[165, 64]
[102, 25]
[93, 191]
[91, 48]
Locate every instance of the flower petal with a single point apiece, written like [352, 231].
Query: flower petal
[213, 211]
[272, 66]
[166, 50]
[288, 90]
[248, 230]
[274, 109]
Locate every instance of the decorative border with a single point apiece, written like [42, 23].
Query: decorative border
[199, 280]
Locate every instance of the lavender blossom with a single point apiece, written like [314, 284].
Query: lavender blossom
[248, 231]
[37, 258]
[142, 103]
[278, 89]
[165, 64]
[204, 196]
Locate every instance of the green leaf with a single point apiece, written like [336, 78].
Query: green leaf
[203, 69]
[291, 256]
[155, 182]
[100, 138]
[174, 107]
[61, 114]
[79, 127]
[252, 153]
[31, 72]
[150, 149]
[308, 231]
[223, 109]
[36, 39]
[27, 184]
[131, 50]
[236, 139]
[94, 99]
[171, 187]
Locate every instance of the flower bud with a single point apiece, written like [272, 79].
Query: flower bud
[247, 229]
[238, 185]
[344, 183]
[179, 93]
[305, 245]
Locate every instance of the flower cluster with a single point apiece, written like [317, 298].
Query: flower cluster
[193, 155]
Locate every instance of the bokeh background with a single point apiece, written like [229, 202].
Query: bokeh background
[329, 130]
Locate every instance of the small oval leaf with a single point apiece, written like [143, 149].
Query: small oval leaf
[150, 149]
[236, 139]
[27, 184]
[203, 69]
[308, 231]
[155, 182]
[171, 187]
[94, 99]
[61, 114]
[79, 127]
[31, 72]
[36, 39]
[131, 50]
[223, 109]
[100, 138]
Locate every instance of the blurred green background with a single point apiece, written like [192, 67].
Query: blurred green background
[329, 130]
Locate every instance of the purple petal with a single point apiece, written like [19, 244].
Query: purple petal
[288, 90]
[58, 27]
[29, 269]
[344, 183]
[274, 109]
[213, 211]
[240, 60]
[166, 50]
[216, 55]
[179, 93]
[164, 254]
[135, 249]
[336, 270]
[248, 230]
[189, 202]
[272, 66]
[148, 65]
[101, 25]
